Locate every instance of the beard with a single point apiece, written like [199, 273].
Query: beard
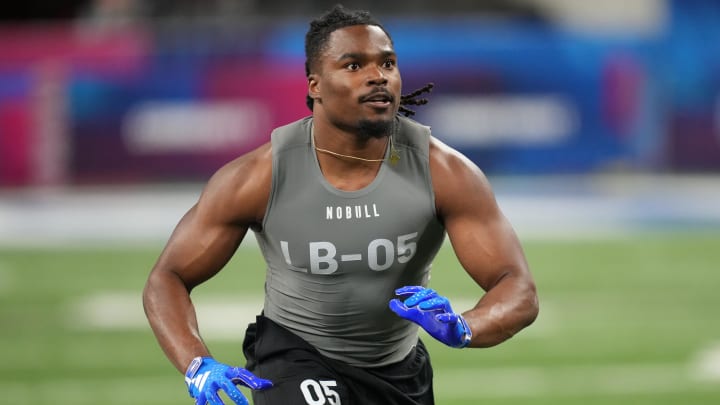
[374, 129]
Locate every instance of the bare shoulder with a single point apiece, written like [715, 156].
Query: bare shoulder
[457, 181]
[238, 192]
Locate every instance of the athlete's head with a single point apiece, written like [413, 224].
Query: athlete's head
[352, 72]
[318, 35]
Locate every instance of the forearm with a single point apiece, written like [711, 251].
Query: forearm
[503, 311]
[172, 317]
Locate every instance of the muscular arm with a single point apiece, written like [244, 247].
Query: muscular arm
[202, 243]
[486, 247]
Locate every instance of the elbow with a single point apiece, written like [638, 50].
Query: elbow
[149, 294]
[531, 305]
[162, 288]
[159, 288]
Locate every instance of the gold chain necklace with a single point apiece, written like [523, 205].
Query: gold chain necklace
[394, 156]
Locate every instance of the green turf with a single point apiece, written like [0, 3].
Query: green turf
[622, 322]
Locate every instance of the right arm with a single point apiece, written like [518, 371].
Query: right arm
[200, 246]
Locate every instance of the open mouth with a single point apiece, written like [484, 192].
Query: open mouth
[379, 100]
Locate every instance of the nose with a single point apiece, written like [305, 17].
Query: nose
[376, 76]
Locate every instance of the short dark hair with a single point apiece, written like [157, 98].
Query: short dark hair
[320, 29]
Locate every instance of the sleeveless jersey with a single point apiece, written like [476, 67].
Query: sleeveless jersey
[334, 258]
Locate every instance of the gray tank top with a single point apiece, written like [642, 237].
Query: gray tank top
[335, 257]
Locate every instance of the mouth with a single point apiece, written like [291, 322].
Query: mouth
[378, 99]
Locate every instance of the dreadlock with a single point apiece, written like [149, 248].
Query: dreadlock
[411, 99]
[338, 17]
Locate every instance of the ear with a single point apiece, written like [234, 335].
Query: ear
[314, 87]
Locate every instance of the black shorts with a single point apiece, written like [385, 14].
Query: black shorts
[302, 376]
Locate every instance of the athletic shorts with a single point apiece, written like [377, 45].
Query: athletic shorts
[303, 376]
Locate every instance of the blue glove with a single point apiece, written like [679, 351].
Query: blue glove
[434, 314]
[205, 376]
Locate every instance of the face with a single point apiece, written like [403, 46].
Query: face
[356, 84]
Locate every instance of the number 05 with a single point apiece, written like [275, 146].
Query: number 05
[320, 392]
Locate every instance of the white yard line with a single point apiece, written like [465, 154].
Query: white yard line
[219, 318]
[225, 318]
[707, 363]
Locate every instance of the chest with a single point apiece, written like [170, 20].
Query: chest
[319, 229]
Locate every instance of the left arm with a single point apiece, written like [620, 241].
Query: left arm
[486, 246]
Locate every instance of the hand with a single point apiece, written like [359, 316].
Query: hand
[434, 314]
[205, 377]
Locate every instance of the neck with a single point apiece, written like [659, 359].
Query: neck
[394, 157]
[360, 150]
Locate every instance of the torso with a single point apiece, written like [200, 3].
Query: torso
[335, 257]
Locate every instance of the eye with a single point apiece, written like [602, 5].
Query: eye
[353, 66]
[389, 64]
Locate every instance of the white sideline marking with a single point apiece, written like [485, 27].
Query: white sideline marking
[539, 207]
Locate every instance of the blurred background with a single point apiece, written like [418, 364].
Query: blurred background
[129, 91]
[598, 124]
